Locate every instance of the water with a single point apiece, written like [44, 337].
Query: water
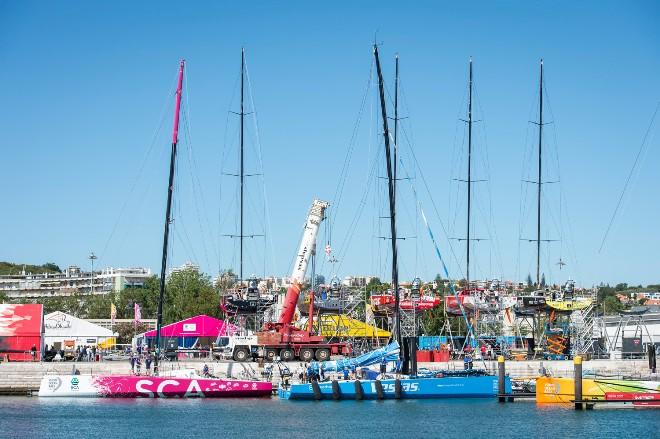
[22, 417]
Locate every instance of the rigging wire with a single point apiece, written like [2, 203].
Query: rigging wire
[630, 174]
[143, 163]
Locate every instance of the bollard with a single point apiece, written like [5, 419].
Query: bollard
[379, 390]
[358, 390]
[500, 379]
[336, 392]
[397, 389]
[317, 390]
[577, 365]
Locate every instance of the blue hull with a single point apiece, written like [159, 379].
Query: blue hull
[412, 388]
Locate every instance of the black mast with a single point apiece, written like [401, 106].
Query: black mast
[242, 170]
[390, 185]
[469, 179]
[168, 216]
[539, 183]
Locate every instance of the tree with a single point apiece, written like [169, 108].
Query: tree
[611, 305]
[543, 280]
[3, 297]
[127, 330]
[189, 293]
[530, 282]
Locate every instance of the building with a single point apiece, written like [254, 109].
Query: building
[188, 266]
[61, 329]
[72, 280]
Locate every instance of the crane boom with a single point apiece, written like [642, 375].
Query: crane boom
[316, 215]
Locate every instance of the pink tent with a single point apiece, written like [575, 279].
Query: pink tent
[198, 326]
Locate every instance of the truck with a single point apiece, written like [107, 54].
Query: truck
[282, 338]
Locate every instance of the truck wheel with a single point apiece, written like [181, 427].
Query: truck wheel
[287, 354]
[241, 354]
[322, 354]
[271, 354]
[307, 354]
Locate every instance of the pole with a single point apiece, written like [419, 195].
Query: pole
[577, 365]
[92, 257]
[390, 185]
[501, 371]
[538, 206]
[168, 212]
[242, 173]
[469, 180]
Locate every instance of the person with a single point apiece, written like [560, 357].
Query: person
[305, 374]
[345, 373]
[483, 351]
[383, 365]
[33, 352]
[94, 353]
[321, 373]
[132, 360]
[138, 364]
[147, 363]
[205, 371]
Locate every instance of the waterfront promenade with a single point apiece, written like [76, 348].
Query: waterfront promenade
[18, 378]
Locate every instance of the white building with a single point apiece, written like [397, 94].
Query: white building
[72, 280]
[60, 327]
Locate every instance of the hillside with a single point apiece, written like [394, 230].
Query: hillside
[11, 268]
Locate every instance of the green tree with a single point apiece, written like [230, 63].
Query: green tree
[189, 293]
[3, 297]
[611, 305]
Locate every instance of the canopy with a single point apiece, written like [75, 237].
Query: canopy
[60, 327]
[198, 326]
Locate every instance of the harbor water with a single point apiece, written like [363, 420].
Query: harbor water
[27, 417]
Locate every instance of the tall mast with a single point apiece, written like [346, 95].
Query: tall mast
[242, 170]
[469, 179]
[390, 185]
[539, 183]
[168, 213]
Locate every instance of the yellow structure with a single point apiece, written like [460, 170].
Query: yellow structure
[341, 325]
[108, 343]
[569, 305]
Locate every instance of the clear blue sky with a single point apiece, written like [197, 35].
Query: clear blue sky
[85, 85]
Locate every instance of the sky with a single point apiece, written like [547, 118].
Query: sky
[87, 116]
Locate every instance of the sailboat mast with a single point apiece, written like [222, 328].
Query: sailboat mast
[242, 170]
[469, 179]
[539, 183]
[168, 213]
[390, 186]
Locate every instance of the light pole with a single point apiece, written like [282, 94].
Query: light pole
[92, 257]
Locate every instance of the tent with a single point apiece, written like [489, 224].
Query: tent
[21, 328]
[61, 327]
[198, 331]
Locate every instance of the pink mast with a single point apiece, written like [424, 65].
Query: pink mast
[168, 214]
[177, 106]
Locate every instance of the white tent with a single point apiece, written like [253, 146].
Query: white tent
[59, 326]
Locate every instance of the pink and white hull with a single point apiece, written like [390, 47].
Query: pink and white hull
[129, 386]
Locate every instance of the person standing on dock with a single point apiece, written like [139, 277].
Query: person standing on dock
[147, 363]
[33, 352]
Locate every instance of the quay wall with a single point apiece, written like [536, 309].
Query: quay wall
[18, 378]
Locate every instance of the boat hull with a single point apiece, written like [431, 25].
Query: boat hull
[562, 390]
[412, 388]
[128, 386]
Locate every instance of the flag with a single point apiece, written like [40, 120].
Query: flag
[113, 313]
[138, 314]
[328, 249]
